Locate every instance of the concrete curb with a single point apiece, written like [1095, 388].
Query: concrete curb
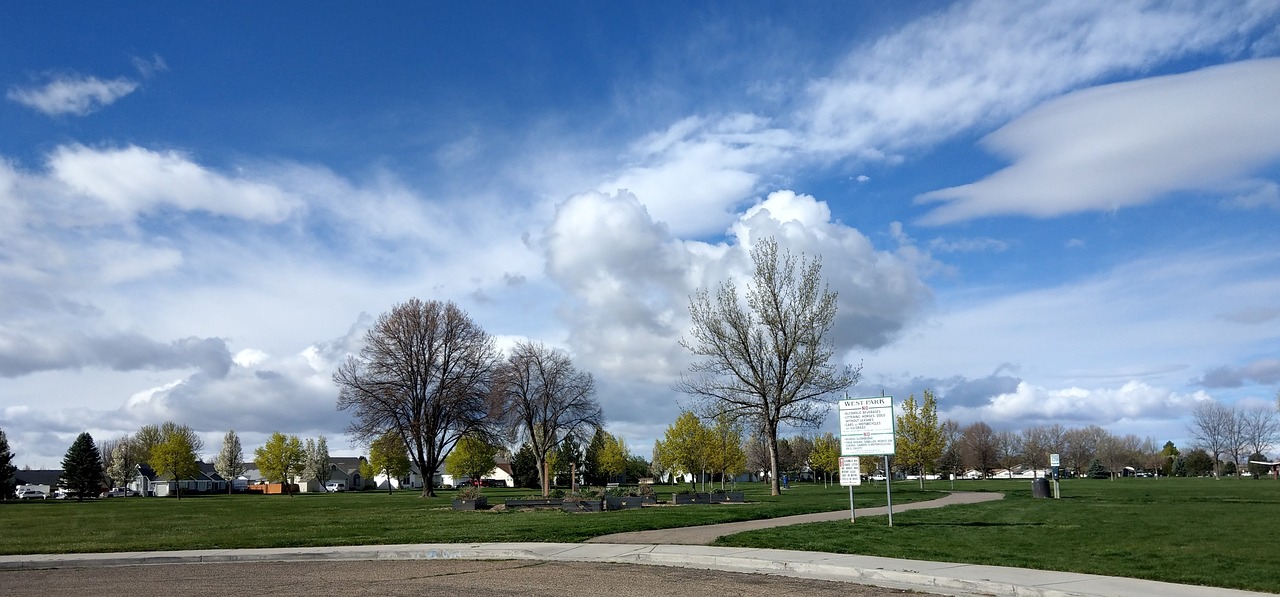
[938, 577]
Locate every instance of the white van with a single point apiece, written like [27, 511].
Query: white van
[335, 486]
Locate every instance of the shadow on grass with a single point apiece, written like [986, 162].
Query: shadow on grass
[975, 524]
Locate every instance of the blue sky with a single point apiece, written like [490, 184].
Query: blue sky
[1046, 212]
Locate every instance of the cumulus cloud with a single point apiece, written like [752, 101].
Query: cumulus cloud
[77, 95]
[630, 280]
[1127, 144]
[1030, 405]
[1261, 372]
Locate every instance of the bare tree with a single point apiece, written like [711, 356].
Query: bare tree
[1211, 425]
[423, 374]
[1260, 428]
[1008, 449]
[980, 451]
[768, 361]
[1082, 447]
[545, 400]
[1035, 448]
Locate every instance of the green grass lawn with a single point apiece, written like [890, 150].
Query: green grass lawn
[359, 518]
[1190, 531]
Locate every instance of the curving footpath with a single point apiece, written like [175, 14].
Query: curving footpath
[707, 534]
[932, 577]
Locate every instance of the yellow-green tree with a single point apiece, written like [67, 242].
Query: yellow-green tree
[281, 459]
[472, 458]
[919, 441]
[388, 456]
[175, 454]
[725, 452]
[686, 446]
[825, 457]
[614, 456]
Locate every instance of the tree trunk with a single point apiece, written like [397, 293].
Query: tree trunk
[774, 488]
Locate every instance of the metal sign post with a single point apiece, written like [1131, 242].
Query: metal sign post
[851, 475]
[867, 428]
[1054, 461]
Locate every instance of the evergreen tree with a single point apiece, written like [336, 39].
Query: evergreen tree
[8, 482]
[568, 457]
[82, 473]
[1097, 471]
[591, 459]
[524, 467]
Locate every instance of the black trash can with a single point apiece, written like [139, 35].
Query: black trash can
[1040, 488]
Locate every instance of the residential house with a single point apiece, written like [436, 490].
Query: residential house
[41, 480]
[501, 472]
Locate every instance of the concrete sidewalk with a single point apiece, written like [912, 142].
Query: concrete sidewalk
[933, 577]
[706, 534]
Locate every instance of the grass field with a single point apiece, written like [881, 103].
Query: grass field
[1191, 531]
[360, 518]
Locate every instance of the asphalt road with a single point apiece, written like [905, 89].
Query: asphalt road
[416, 577]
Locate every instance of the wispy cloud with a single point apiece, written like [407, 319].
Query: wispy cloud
[1127, 144]
[77, 95]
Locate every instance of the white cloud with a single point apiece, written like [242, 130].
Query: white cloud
[968, 245]
[1127, 144]
[1032, 405]
[630, 280]
[72, 94]
[136, 180]
[982, 62]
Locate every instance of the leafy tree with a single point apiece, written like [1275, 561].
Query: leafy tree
[424, 373]
[524, 467]
[230, 460]
[614, 457]
[546, 399]
[147, 437]
[1169, 454]
[122, 468]
[727, 456]
[472, 458]
[591, 459]
[826, 455]
[176, 454]
[317, 465]
[387, 456]
[280, 459]
[919, 442]
[637, 467]
[1229, 469]
[82, 473]
[367, 473]
[768, 361]
[8, 480]
[658, 461]
[1258, 470]
[1199, 463]
[685, 446]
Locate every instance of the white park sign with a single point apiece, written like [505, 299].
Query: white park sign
[850, 471]
[867, 426]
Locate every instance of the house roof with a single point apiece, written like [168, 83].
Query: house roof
[38, 477]
[346, 464]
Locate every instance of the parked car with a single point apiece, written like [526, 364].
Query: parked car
[118, 492]
[335, 486]
[493, 483]
[32, 494]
